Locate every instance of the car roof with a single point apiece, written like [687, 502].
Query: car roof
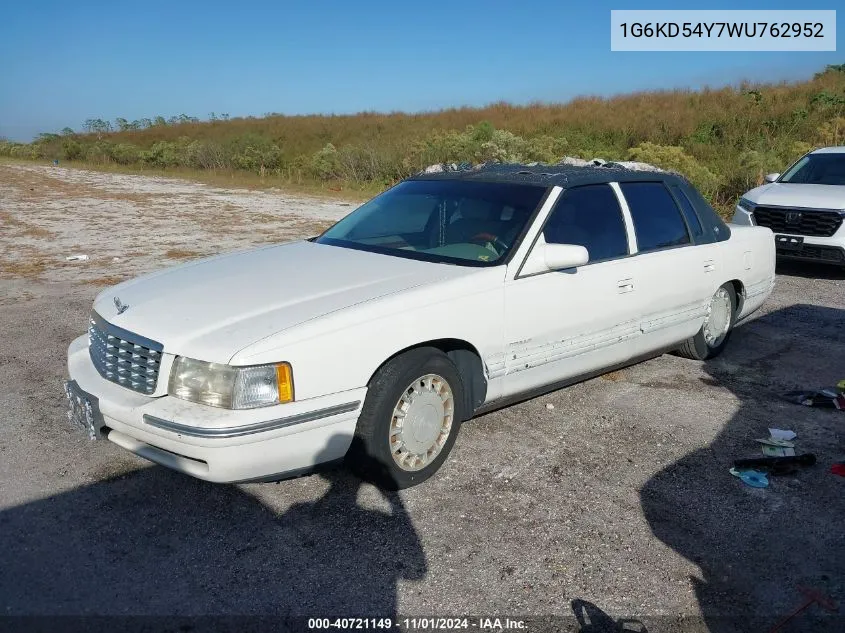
[550, 175]
[830, 150]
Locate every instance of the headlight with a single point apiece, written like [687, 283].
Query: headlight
[746, 204]
[229, 387]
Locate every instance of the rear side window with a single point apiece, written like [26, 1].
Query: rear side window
[591, 217]
[657, 219]
[689, 213]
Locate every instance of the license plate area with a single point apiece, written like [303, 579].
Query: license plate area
[789, 242]
[84, 411]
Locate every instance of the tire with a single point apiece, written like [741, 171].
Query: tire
[698, 347]
[421, 378]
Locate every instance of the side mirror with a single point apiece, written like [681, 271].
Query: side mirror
[771, 177]
[561, 256]
[546, 257]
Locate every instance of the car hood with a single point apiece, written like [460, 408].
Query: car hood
[210, 309]
[784, 194]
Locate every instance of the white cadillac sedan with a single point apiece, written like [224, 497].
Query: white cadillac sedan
[448, 295]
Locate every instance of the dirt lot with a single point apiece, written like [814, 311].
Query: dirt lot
[617, 502]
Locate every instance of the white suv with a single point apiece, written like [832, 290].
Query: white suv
[804, 207]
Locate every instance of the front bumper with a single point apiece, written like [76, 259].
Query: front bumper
[824, 250]
[221, 445]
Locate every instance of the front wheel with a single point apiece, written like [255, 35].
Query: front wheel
[715, 332]
[410, 419]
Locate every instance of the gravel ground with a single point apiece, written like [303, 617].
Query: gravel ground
[616, 504]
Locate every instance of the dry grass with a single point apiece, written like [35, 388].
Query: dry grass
[229, 178]
[182, 253]
[108, 280]
[10, 223]
[615, 376]
[128, 225]
[26, 269]
[659, 116]
[734, 133]
[42, 186]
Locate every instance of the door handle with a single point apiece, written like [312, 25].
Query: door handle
[709, 265]
[625, 285]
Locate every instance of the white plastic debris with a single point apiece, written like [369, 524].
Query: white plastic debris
[780, 434]
[549, 406]
[115, 259]
[637, 166]
[580, 162]
[575, 162]
[433, 169]
[598, 162]
[76, 258]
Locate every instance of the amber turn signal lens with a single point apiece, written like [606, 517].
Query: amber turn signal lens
[284, 377]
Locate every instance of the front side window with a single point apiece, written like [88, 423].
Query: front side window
[591, 217]
[657, 219]
[817, 169]
[451, 221]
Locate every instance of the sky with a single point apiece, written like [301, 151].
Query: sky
[62, 62]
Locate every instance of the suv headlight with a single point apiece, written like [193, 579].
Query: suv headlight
[746, 204]
[229, 387]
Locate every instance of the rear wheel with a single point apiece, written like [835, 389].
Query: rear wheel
[715, 332]
[410, 419]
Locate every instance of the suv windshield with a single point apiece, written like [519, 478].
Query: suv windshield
[817, 169]
[453, 221]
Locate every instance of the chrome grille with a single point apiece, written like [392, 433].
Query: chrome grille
[799, 221]
[123, 357]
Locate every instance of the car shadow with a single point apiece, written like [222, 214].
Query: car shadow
[755, 546]
[151, 542]
[809, 270]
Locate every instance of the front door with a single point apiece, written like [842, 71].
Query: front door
[562, 324]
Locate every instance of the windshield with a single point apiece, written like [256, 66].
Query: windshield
[453, 221]
[817, 169]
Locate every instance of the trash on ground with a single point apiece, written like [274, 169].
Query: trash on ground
[776, 465]
[550, 406]
[778, 451]
[824, 398]
[772, 441]
[76, 258]
[838, 469]
[776, 447]
[753, 478]
[780, 434]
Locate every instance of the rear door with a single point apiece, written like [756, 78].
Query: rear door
[675, 275]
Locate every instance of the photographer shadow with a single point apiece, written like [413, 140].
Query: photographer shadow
[754, 546]
[154, 542]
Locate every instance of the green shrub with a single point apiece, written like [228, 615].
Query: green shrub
[71, 149]
[125, 154]
[252, 152]
[325, 163]
[167, 153]
[207, 155]
[674, 158]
